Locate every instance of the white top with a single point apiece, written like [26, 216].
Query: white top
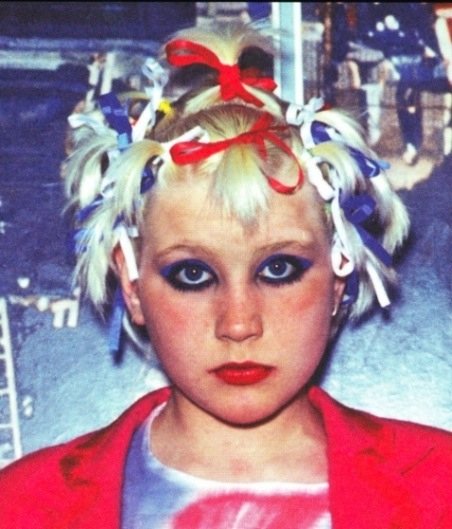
[159, 497]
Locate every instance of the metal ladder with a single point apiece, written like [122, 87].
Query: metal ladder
[10, 442]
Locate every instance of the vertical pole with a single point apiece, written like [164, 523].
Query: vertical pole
[10, 392]
[286, 20]
[327, 72]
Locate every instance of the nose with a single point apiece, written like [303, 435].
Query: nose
[239, 315]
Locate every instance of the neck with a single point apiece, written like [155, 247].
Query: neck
[288, 446]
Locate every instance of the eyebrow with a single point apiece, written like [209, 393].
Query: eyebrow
[182, 247]
[308, 243]
[305, 244]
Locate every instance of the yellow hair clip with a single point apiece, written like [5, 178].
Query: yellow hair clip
[165, 107]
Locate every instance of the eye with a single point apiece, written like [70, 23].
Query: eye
[282, 269]
[188, 274]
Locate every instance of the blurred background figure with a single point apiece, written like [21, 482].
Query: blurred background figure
[344, 46]
[443, 30]
[406, 43]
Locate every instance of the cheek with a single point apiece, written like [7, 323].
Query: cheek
[314, 294]
[304, 313]
[174, 323]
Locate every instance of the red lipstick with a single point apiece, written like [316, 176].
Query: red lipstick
[242, 374]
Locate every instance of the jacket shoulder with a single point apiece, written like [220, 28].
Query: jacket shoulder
[46, 482]
[387, 472]
[405, 440]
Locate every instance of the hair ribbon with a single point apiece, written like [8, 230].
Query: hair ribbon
[188, 152]
[115, 324]
[297, 115]
[315, 132]
[117, 118]
[357, 209]
[180, 52]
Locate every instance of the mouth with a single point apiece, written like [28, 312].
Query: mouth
[243, 373]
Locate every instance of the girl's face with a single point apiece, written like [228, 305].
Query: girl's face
[238, 318]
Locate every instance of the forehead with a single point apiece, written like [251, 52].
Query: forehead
[186, 211]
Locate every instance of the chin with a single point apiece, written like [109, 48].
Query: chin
[246, 414]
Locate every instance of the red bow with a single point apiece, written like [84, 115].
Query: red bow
[181, 52]
[188, 152]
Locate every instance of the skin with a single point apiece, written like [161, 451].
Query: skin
[238, 317]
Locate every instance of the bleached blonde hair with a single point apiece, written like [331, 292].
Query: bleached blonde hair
[238, 177]
[230, 44]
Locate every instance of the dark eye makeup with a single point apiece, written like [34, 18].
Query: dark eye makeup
[196, 275]
[282, 269]
[189, 274]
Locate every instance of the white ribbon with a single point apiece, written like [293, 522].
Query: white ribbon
[129, 254]
[297, 115]
[303, 116]
[154, 71]
[146, 119]
[315, 176]
[377, 283]
[341, 260]
[341, 253]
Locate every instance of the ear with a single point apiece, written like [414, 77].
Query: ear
[342, 267]
[129, 288]
[338, 293]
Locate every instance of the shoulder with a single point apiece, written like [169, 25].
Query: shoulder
[401, 440]
[45, 483]
[385, 471]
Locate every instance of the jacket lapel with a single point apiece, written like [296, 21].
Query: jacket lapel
[368, 471]
[94, 469]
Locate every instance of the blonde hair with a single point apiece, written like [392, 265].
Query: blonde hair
[231, 45]
[238, 175]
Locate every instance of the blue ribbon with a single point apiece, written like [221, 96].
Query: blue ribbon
[357, 209]
[147, 180]
[319, 132]
[117, 118]
[351, 288]
[85, 212]
[75, 241]
[118, 220]
[368, 167]
[76, 235]
[115, 324]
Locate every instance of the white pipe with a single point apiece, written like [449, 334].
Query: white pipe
[288, 70]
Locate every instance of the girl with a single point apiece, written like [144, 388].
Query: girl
[239, 231]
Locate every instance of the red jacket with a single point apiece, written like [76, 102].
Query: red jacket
[383, 474]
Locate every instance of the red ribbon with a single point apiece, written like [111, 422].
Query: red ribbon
[182, 52]
[188, 152]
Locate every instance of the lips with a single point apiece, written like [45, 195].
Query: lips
[242, 374]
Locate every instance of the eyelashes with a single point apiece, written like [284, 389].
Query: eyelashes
[189, 274]
[196, 275]
[282, 269]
